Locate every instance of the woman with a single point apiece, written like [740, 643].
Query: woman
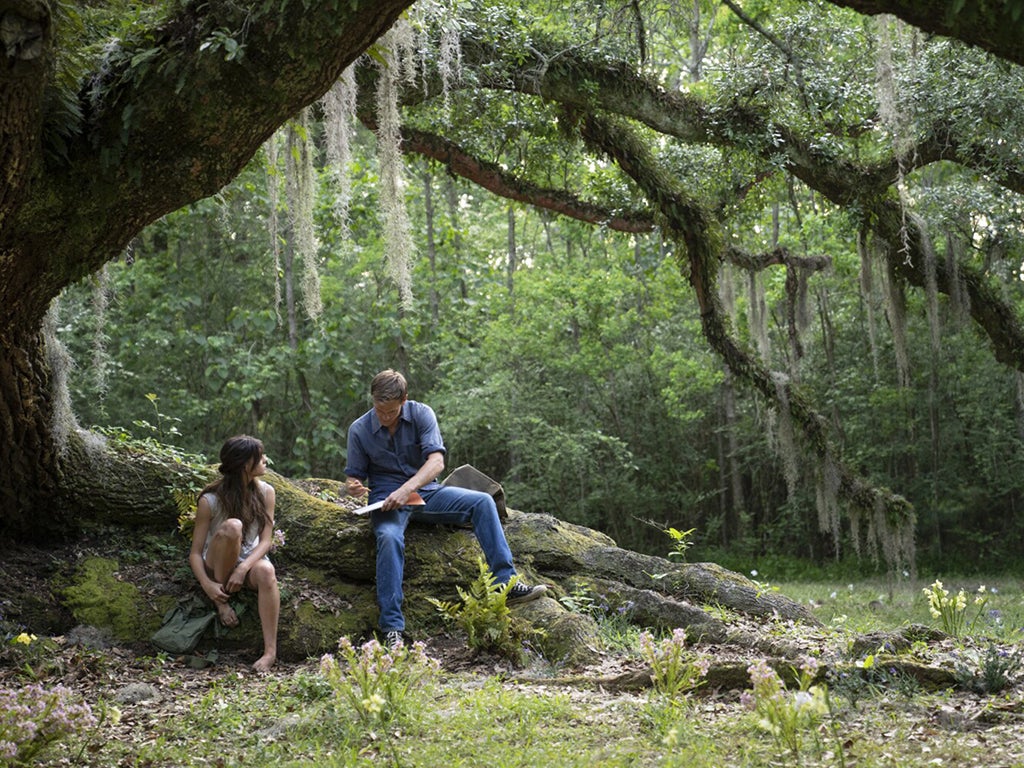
[233, 534]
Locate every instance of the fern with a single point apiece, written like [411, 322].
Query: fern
[485, 617]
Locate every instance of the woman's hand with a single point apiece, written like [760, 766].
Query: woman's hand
[216, 592]
[235, 581]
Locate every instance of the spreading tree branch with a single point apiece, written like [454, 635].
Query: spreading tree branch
[694, 227]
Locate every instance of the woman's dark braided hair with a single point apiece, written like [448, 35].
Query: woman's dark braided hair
[238, 499]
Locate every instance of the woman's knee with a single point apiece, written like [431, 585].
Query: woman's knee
[262, 575]
[229, 531]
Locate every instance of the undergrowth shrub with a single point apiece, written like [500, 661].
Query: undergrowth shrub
[675, 671]
[378, 685]
[32, 718]
[868, 679]
[483, 614]
[990, 672]
[614, 622]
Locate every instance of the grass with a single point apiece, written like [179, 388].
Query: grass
[871, 604]
[497, 716]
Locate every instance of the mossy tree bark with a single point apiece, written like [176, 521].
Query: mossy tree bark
[994, 25]
[164, 118]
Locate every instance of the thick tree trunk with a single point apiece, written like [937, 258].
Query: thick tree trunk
[166, 120]
[29, 474]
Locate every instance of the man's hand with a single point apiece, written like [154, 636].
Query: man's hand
[355, 487]
[397, 498]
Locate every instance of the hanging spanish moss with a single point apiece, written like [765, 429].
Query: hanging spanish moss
[1019, 380]
[803, 307]
[449, 60]
[60, 364]
[404, 48]
[100, 362]
[959, 298]
[424, 20]
[727, 292]
[896, 311]
[300, 187]
[757, 315]
[867, 296]
[894, 113]
[272, 221]
[827, 498]
[397, 229]
[931, 288]
[787, 449]
[339, 104]
[897, 539]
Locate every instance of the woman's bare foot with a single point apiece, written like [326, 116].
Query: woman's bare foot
[227, 614]
[264, 662]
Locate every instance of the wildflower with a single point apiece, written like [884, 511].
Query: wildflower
[278, 540]
[25, 639]
[8, 750]
[810, 666]
[674, 671]
[374, 704]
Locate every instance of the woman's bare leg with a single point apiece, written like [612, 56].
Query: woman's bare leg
[221, 559]
[263, 579]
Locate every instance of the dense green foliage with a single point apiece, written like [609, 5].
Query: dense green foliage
[567, 360]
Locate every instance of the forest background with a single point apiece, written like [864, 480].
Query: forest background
[566, 358]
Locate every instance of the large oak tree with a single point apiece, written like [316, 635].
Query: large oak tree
[151, 122]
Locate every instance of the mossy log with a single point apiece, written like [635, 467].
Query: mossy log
[326, 570]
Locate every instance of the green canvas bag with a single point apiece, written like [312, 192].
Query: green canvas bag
[184, 626]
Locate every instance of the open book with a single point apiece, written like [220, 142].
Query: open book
[415, 500]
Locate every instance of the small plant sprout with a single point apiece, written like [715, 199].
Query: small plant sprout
[952, 610]
[675, 671]
[682, 541]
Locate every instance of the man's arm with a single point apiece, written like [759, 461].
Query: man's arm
[431, 468]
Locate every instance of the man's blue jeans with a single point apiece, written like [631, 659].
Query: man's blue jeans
[445, 506]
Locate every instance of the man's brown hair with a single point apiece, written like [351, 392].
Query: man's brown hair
[387, 386]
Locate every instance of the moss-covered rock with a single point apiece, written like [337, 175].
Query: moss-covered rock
[98, 598]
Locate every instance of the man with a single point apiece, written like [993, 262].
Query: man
[396, 449]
